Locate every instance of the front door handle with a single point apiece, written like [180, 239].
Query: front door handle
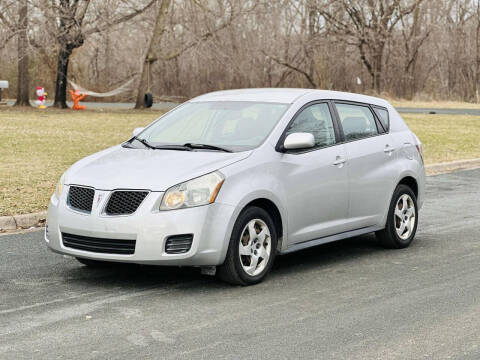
[339, 161]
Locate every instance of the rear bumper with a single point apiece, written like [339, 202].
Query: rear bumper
[150, 228]
[421, 187]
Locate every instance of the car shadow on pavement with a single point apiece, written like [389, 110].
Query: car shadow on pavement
[131, 276]
[326, 254]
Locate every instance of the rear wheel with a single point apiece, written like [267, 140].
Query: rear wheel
[252, 248]
[402, 219]
[94, 263]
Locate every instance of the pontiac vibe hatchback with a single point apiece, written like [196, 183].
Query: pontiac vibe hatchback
[230, 179]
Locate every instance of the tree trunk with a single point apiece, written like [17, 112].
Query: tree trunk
[367, 63]
[22, 43]
[160, 23]
[378, 74]
[378, 67]
[61, 82]
[311, 13]
[106, 74]
[477, 57]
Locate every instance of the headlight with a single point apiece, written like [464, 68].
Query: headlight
[59, 188]
[200, 191]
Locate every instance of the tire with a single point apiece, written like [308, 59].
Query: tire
[94, 263]
[234, 269]
[390, 236]
[148, 100]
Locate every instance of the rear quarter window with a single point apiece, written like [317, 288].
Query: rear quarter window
[383, 115]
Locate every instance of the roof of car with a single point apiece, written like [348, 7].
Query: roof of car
[284, 95]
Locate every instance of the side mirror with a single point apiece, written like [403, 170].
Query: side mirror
[137, 131]
[299, 140]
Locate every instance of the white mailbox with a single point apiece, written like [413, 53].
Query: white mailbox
[3, 85]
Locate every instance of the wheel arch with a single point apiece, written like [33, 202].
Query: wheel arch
[271, 204]
[272, 209]
[408, 179]
[411, 182]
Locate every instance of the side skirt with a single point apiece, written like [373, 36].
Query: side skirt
[331, 238]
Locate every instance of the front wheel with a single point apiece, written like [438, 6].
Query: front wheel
[251, 250]
[402, 219]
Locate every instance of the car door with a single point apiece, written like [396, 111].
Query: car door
[370, 154]
[316, 180]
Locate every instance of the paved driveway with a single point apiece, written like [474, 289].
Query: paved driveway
[347, 300]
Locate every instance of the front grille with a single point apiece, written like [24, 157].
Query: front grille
[81, 198]
[99, 245]
[124, 202]
[178, 244]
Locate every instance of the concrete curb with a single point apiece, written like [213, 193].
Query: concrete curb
[9, 223]
[446, 167]
[16, 222]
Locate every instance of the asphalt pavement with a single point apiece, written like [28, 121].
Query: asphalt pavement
[407, 110]
[347, 300]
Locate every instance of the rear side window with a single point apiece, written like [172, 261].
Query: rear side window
[382, 114]
[316, 120]
[357, 121]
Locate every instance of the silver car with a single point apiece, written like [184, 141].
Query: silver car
[230, 179]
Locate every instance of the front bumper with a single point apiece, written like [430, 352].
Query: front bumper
[210, 226]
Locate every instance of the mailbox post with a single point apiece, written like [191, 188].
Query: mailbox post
[3, 85]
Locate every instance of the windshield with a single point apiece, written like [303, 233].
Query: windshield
[232, 125]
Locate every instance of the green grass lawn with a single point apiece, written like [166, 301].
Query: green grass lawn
[435, 104]
[446, 137]
[36, 146]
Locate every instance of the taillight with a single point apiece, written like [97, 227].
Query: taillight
[420, 151]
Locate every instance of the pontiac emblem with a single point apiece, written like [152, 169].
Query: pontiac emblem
[99, 199]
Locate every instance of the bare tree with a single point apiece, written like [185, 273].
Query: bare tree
[367, 24]
[70, 34]
[305, 20]
[200, 35]
[145, 73]
[414, 37]
[19, 27]
[477, 52]
[404, 48]
[23, 98]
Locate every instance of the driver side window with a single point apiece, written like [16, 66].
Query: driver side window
[316, 120]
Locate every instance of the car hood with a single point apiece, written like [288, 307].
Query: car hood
[155, 170]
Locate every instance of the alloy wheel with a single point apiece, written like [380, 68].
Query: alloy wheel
[404, 216]
[255, 247]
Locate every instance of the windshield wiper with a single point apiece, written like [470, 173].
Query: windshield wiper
[206, 147]
[144, 142]
[172, 147]
[163, 147]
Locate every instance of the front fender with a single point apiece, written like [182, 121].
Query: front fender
[240, 189]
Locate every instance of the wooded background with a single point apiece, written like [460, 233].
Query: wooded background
[412, 49]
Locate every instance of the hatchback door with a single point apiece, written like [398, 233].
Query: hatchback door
[316, 179]
[370, 155]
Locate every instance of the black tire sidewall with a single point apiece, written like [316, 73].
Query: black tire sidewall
[392, 232]
[247, 215]
[148, 100]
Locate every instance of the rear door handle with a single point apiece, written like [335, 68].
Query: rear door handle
[339, 161]
[388, 149]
